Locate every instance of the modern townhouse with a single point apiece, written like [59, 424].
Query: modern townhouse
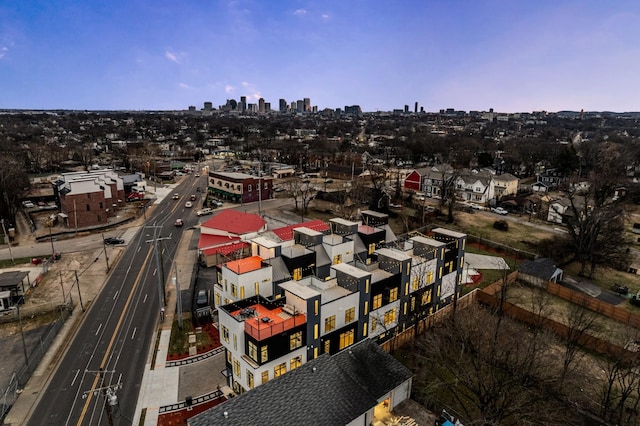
[332, 298]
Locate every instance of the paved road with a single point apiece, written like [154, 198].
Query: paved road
[116, 334]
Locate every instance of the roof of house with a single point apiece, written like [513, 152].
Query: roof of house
[235, 222]
[226, 249]
[541, 268]
[329, 390]
[208, 241]
[286, 232]
[247, 264]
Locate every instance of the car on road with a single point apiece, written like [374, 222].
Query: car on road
[178, 222]
[216, 203]
[197, 174]
[204, 211]
[499, 210]
[476, 206]
[113, 241]
[193, 197]
[28, 204]
[176, 196]
[188, 204]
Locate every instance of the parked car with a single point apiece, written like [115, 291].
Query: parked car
[476, 206]
[28, 204]
[113, 241]
[216, 203]
[176, 196]
[202, 299]
[135, 196]
[178, 222]
[499, 210]
[188, 204]
[204, 211]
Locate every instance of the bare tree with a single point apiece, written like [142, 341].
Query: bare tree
[580, 322]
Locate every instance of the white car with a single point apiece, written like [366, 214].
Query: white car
[500, 210]
[205, 211]
[476, 206]
[188, 204]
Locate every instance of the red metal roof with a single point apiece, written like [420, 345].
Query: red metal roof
[208, 241]
[247, 264]
[225, 249]
[235, 222]
[286, 232]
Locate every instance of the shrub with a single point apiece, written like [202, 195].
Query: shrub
[501, 225]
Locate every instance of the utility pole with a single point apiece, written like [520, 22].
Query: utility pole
[179, 299]
[78, 285]
[104, 247]
[24, 344]
[159, 268]
[109, 392]
[75, 216]
[6, 238]
[53, 250]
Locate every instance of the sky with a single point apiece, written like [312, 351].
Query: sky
[509, 55]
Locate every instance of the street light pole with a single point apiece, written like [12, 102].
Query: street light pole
[53, 250]
[78, 285]
[104, 247]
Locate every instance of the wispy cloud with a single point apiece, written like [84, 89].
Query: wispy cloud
[185, 86]
[324, 16]
[300, 12]
[228, 88]
[3, 51]
[171, 56]
[251, 90]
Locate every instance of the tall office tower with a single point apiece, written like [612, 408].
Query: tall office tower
[300, 106]
[406, 109]
[243, 103]
[282, 105]
[261, 105]
[294, 106]
[307, 104]
[415, 109]
[208, 106]
[267, 107]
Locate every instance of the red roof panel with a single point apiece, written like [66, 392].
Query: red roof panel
[235, 222]
[286, 232]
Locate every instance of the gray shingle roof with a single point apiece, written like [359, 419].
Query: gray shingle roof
[541, 268]
[329, 390]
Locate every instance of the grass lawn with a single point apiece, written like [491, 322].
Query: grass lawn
[179, 341]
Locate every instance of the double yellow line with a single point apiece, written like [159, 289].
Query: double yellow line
[113, 339]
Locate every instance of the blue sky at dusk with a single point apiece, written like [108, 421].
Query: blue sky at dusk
[380, 54]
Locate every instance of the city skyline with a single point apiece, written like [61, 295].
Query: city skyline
[467, 55]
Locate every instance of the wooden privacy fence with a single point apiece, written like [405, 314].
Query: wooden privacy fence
[489, 297]
[614, 312]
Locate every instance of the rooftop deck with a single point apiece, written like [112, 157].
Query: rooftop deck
[262, 323]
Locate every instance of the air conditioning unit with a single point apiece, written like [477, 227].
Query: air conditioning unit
[290, 309]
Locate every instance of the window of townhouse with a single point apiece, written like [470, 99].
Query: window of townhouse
[265, 376]
[295, 362]
[377, 301]
[346, 339]
[279, 369]
[295, 340]
[264, 353]
[393, 294]
[329, 323]
[253, 351]
[225, 334]
[389, 316]
[249, 379]
[349, 315]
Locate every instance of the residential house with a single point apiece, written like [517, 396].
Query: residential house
[539, 271]
[329, 390]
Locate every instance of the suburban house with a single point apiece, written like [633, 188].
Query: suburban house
[560, 209]
[505, 184]
[88, 198]
[329, 390]
[551, 178]
[240, 187]
[539, 271]
[337, 202]
[328, 291]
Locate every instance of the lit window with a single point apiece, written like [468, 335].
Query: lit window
[372, 248]
[225, 334]
[265, 376]
[429, 277]
[346, 339]
[234, 290]
[295, 340]
[242, 292]
[295, 362]
[366, 307]
[415, 283]
[249, 379]
[279, 369]
[297, 274]
[349, 315]
[413, 304]
[374, 323]
[426, 297]
[235, 342]
[253, 351]
[236, 368]
[337, 259]
[329, 323]
[389, 316]
[377, 301]
[264, 354]
[327, 346]
[393, 294]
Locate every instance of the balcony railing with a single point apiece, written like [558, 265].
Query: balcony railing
[261, 328]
